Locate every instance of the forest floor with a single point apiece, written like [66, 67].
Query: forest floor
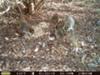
[44, 44]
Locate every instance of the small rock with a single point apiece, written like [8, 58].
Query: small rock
[43, 45]
[67, 68]
[14, 38]
[89, 39]
[40, 43]
[6, 38]
[32, 73]
[1, 46]
[51, 38]
[92, 46]
[24, 51]
[43, 24]
[36, 49]
[77, 50]
[44, 68]
[99, 60]
[47, 49]
[27, 69]
[83, 43]
[98, 23]
[33, 56]
[92, 65]
[16, 34]
[4, 55]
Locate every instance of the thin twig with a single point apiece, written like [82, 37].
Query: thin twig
[5, 11]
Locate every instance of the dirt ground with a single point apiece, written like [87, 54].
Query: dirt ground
[43, 44]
